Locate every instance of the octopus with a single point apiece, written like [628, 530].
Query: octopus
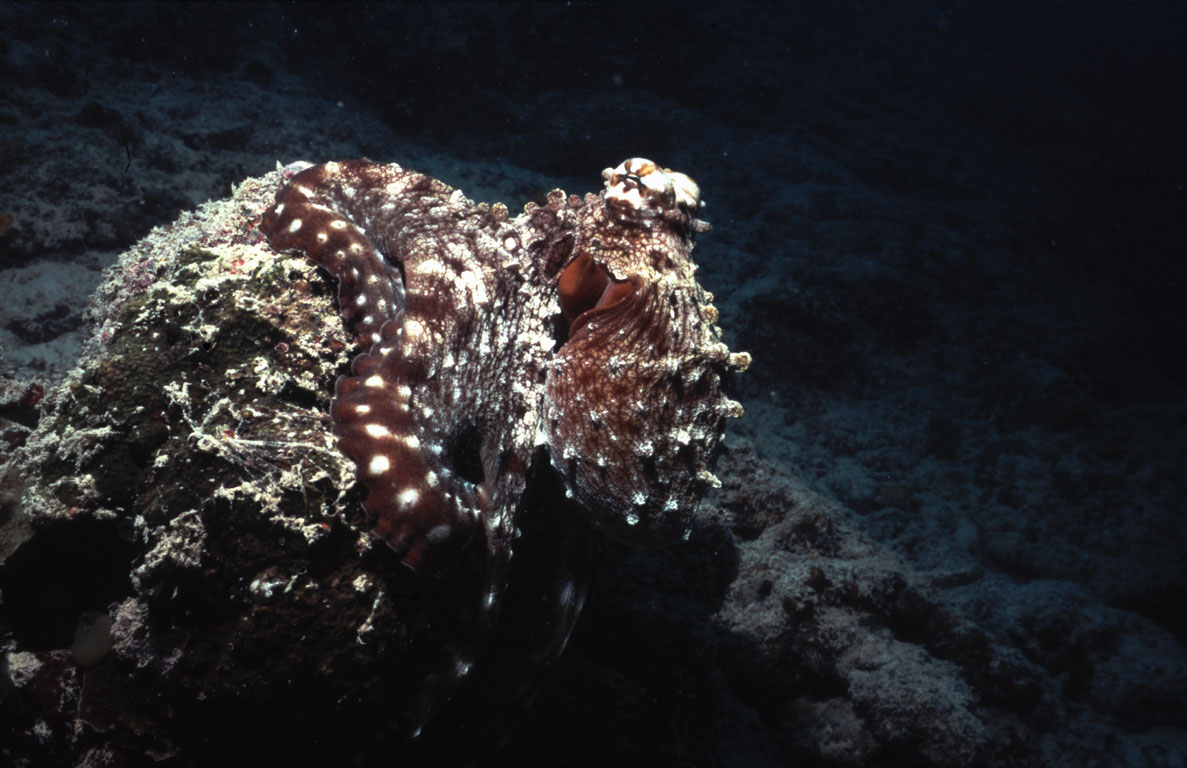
[572, 339]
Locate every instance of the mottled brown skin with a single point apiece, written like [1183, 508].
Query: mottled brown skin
[634, 395]
[578, 326]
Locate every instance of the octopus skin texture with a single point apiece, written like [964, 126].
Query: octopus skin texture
[576, 329]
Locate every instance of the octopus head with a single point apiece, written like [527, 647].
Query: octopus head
[639, 190]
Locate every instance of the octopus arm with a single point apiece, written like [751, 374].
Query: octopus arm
[376, 228]
[316, 215]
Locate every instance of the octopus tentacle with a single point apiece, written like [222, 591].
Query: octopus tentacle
[394, 298]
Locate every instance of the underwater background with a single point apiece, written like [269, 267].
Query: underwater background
[952, 235]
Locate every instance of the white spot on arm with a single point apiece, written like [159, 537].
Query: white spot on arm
[413, 328]
[438, 533]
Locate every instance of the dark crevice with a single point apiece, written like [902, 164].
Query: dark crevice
[65, 570]
[299, 396]
[465, 455]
